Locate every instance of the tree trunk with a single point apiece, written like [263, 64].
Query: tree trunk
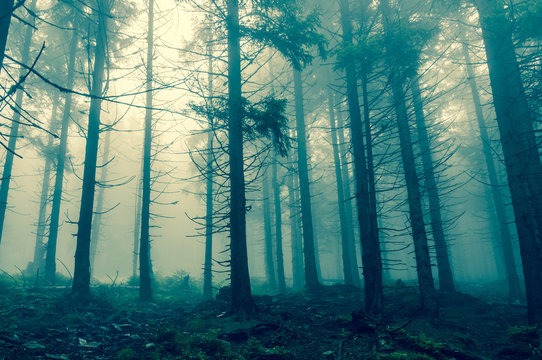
[5, 21]
[498, 202]
[446, 280]
[421, 249]
[208, 266]
[347, 198]
[97, 223]
[296, 243]
[347, 266]
[50, 261]
[311, 275]
[268, 235]
[137, 224]
[278, 226]
[371, 257]
[14, 130]
[518, 140]
[240, 278]
[39, 250]
[145, 288]
[81, 276]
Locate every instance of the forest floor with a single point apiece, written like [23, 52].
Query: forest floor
[44, 324]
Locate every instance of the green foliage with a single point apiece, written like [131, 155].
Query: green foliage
[528, 17]
[262, 119]
[524, 334]
[282, 25]
[126, 354]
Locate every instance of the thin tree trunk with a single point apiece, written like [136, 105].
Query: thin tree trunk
[145, 288]
[371, 257]
[137, 224]
[268, 235]
[347, 266]
[445, 275]
[371, 182]
[278, 226]
[240, 278]
[347, 198]
[97, 224]
[14, 130]
[50, 260]
[5, 21]
[498, 202]
[208, 266]
[297, 246]
[518, 140]
[419, 236]
[81, 276]
[45, 184]
[311, 275]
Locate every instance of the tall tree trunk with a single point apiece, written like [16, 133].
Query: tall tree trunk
[278, 226]
[240, 278]
[311, 274]
[14, 130]
[38, 258]
[421, 249]
[97, 223]
[371, 181]
[208, 266]
[446, 280]
[498, 202]
[81, 275]
[50, 260]
[268, 235]
[347, 197]
[137, 224]
[295, 239]
[5, 21]
[371, 257]
[518, 140]
[346, 258]
[145, 288]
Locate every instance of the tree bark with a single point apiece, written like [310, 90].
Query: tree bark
[240, 278]
[278, 226]
[5, 21]
[145, 286]
[352, 250]
[498, 202]
[346, 263]
[311, 274]
[268, 235]
[81, 276]
[446, 280]
[296, 243]
[521, 158]
[14, 129]
[208, 265]
[137, 224]
[371, 257]
[50, 260]
[97, 223]
[39, 250]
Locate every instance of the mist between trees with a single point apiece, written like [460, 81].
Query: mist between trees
[273, 145]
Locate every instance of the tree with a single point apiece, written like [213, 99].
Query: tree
[397, 78]
[50, 260]
[521, 157]
[268, 234]
[498, 202]
[14, 129]
[371, 257]
[5, 21]
[278, 224]
[145, 270]
[446, 280]
[311, 274]
[81, 276]
[239, 275]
